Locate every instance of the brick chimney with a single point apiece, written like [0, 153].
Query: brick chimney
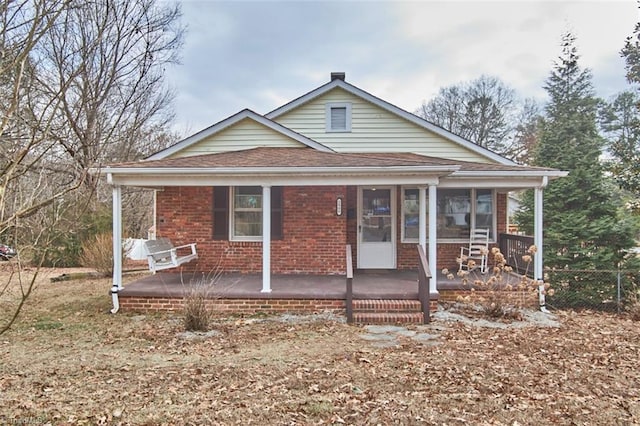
[338, 76]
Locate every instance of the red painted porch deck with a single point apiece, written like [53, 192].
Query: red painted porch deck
[366, 285]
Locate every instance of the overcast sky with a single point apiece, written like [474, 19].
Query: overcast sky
[262, 54]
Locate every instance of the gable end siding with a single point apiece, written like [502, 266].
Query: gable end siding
[373, 129]
[245, 134]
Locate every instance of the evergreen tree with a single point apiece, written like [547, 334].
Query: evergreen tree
[620, 122]
[581, 225]
[627, 106]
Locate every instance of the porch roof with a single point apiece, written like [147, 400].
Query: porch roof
[307, 166]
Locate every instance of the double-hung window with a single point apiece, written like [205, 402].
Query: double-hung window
[247, 213]
[237, 213]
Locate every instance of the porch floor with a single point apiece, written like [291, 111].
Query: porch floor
[366, 285]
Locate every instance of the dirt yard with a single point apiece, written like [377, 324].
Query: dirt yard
[67, 361]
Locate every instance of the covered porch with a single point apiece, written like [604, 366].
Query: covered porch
[315, 193]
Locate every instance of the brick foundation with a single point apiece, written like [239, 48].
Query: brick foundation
[148, 304]
[235, 306]
[529, 299]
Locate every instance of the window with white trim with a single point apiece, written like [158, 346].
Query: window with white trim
[246, 216]
[459, 211]
[338, 117]
[237, 213]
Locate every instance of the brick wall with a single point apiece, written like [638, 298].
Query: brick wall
[235, 306]
[529, 300]
[314, 236]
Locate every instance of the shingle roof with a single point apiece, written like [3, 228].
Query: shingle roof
[271, 157]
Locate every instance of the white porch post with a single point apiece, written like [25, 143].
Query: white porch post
[422, 214]
[433, 238]
[117, 247]
[537, 240]
[266, 239]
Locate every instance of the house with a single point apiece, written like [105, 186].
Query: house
[283, 193]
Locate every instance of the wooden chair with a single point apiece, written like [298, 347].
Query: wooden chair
[476, 255]
[161, 254]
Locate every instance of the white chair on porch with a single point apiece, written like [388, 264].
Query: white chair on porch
[475, 256]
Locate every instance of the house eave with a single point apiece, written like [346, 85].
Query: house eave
[427, 175]
[510, 174]
[279, 170]
[502, 180]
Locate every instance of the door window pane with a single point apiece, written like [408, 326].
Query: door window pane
[376, 215]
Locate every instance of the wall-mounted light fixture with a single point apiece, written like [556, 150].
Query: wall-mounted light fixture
[339, 206]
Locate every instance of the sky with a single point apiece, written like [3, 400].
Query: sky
[262, 54]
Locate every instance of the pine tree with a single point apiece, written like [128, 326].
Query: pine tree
[581, 227]
[627, 107]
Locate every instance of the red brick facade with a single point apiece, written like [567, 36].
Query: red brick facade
[314, 235]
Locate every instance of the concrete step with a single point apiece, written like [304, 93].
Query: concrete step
[388, 318]
[386, 306]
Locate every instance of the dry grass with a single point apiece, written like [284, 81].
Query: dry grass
[97, 253]
[69, 362]
[197, 315]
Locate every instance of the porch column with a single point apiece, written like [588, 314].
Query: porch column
[117, 237]
[117, 247]
[537, 240]
[433, 238]
[422, 214]
[266, 239]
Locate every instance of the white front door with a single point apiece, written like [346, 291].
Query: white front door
[376, 228]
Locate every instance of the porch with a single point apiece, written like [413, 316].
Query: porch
[391, 291]
[367, 284]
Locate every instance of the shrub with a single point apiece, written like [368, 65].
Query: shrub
[197, 315]
[633, 305]
[501, 293]
[97, 253]
[197, 312]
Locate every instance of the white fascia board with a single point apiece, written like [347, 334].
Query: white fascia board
[230, 121]
[393, 109]
[382, 170]
[428, 175]
[512, 174]
[507, 180]
[276, 180]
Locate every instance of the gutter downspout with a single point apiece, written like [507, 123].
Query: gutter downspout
[538, 237]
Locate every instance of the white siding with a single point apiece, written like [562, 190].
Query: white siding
[245, 134]
[373, 129]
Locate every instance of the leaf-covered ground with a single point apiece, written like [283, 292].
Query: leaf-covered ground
[69, 362]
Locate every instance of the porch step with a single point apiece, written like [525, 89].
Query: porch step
[386, 306]
[388, 318]
[387, 311]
